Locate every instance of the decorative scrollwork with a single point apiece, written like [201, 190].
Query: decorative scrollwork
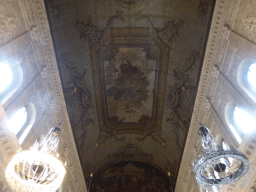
[78, 99]
[7, 24]
[181, 98]
[156, 136]
[130, 148]
[102, 137]
[88, 31]
[129, 3]
[250, 25]
[170, 31]
[119, 139]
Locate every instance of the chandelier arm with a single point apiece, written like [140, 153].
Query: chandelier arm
[218, 166]
[37, 169]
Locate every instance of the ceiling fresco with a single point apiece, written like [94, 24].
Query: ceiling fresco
[130, 67]
[131, 176]
[129, 71]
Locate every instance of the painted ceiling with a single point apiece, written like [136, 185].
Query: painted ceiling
[129, 71]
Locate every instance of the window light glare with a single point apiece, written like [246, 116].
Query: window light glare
[226, 148]
[17, 121]
[215, 189]
[5, 76]
[236, 134]
[26, 184]
[25, 133]
[251, 75]
[244, 121]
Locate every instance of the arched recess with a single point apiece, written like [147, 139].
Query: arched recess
[17, 78]
[229, 109]
[131, 176]
[31, 117]
[21, 120]
[240, 119]
[242, 78]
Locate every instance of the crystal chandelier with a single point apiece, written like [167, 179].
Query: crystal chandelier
[38, 169]
[217, 167]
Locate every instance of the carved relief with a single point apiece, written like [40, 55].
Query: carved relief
[215, 71]
[207, 106]
[225, 32]
[7, 24]
[235, 10]
[250, 25]
[44, 72]
[221, 52]
[28, 12]
[219, 95]
[35, 33]
[53, 104]
[232, 59]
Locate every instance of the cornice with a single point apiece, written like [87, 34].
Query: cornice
[34, 14]
[224, 18]
[186, 163]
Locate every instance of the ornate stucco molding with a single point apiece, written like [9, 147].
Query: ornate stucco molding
[225, 14]
[186, 163]
[34, 13]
